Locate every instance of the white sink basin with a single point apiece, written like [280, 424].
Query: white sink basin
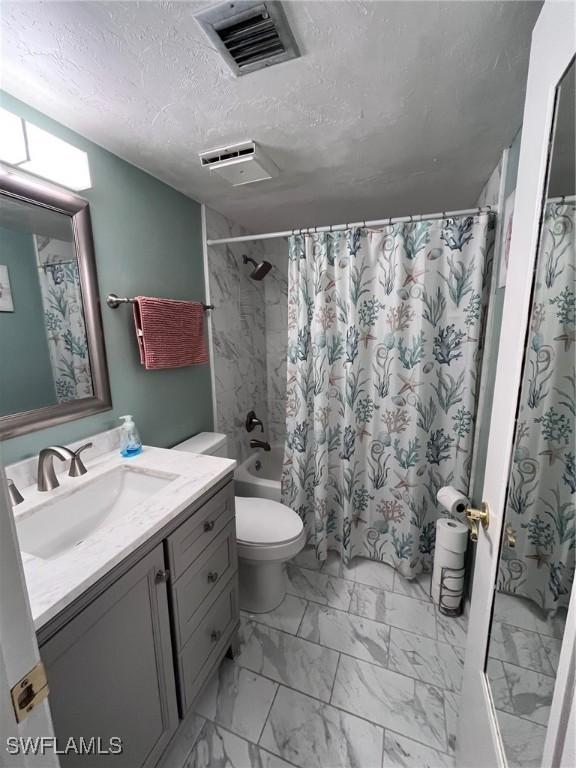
[63, 522]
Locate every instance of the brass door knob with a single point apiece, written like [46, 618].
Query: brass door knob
[475, 516]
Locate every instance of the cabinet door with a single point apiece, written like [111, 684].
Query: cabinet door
[111, 674]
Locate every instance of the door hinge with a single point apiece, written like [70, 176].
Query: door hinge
[29, 692]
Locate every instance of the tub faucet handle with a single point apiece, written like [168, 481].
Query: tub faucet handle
[252, 421]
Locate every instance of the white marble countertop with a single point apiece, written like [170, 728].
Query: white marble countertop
[56, 582]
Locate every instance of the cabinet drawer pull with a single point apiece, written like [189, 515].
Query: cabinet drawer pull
[209, 525]
[215, 635]
[213, 577]
[162, 576]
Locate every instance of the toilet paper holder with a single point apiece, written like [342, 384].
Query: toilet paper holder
[475, 516]
[450, 597]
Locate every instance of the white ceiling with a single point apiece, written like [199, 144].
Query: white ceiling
[394, 107]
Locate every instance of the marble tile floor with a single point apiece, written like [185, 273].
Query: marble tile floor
[358, 669]
[523, 658]
[349, 671]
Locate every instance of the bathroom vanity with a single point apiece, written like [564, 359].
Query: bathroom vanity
[133, 619]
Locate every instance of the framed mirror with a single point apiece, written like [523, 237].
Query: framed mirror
[53, 362]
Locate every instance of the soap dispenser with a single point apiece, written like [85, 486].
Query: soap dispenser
[130, 444]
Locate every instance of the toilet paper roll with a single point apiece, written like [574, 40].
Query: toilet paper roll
[451, 535]
[452, 500]
[451, 543]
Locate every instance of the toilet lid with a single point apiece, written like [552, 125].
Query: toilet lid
[263, 521]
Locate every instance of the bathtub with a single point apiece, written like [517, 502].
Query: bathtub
[259, 474]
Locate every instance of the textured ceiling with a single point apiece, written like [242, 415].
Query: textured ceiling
[394, 107]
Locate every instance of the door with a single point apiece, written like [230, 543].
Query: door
[18, 652]
[519, 675]
[111, 673]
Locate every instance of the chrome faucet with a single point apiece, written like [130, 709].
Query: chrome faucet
[47, 479]
[252, 421]
[260, 444]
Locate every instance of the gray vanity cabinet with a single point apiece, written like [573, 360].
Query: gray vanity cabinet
[110, 670]
[154, 627]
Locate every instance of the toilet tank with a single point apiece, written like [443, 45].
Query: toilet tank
[212, 443]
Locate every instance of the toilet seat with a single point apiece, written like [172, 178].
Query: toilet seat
[267, 530]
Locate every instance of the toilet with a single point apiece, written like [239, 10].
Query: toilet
[268, 534]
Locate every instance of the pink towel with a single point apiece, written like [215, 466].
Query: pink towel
[170, 333]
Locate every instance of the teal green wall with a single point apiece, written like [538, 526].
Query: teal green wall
[147, 238]
[26, 377]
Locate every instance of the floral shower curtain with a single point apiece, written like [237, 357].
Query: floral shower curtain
[384, 334]
[64, 318]
[541, 501]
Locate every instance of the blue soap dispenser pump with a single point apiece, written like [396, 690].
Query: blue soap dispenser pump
[130, 444]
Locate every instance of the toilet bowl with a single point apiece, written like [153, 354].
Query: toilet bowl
[268, 534]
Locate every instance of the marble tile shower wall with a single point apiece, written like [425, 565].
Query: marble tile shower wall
[238, 333]
[276, 297]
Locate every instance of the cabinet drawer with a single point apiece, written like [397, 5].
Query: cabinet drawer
[205, 646]
[206, 575]
[193, 536]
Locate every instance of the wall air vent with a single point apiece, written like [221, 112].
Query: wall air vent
[239, 164]
[249, 35]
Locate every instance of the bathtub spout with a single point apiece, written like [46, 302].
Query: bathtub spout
[260, 444]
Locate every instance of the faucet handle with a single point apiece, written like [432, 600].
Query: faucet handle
[77, 467]
[15, 495]
[252, 421]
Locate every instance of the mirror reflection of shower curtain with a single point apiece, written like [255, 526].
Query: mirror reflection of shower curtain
[64, 318]
[384, 335]
[541, 506]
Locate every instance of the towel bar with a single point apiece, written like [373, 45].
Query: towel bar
[114, 301]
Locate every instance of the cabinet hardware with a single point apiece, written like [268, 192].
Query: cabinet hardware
[215, 635]
[475, 516]
[29, 692]
[213, 577]
[162, 576]
[209, 525]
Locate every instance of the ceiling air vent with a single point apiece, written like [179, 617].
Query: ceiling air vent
[239, 164]
[249, 35]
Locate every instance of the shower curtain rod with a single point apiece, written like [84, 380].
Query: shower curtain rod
[562, 199]
[340, 227]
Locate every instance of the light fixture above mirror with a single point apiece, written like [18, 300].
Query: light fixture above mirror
[37, 151]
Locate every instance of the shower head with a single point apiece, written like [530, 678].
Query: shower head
[260, 270]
